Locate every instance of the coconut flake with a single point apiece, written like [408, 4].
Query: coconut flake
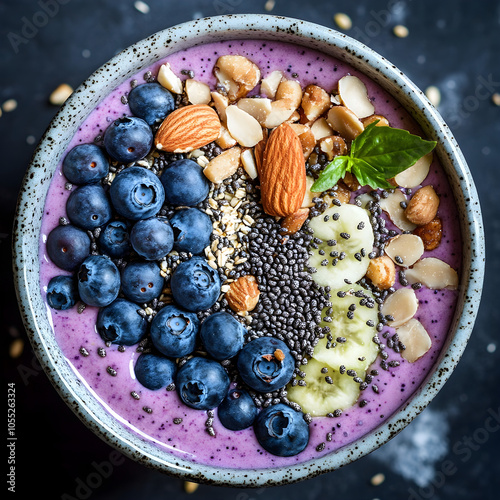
[408, 247]
[401, 305]
[392, 206]
[415, 338]
[433, 273]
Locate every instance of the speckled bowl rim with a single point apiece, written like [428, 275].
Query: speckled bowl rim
[62, 128]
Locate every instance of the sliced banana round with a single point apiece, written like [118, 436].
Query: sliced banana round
[325, 391]
[352, 327]
[346, 240]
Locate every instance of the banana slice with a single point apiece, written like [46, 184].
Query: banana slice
[319, 397]
[347, 239]
[352, 327]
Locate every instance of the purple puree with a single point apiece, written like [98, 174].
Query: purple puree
[189, 439]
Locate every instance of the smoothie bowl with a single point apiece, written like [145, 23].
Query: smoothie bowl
[248, 251]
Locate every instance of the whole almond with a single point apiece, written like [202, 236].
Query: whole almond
[431, 233]
[283, 173]
[423, 206]
[292, 223]
[243, 294]
[188, 128]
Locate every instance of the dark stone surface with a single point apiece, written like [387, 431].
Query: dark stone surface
[450, 451]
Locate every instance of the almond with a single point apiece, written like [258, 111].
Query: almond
[292, 223]
[416, 174]
[405, 249]
[431, 233]
[221, 102]
[402, 305]
[433, 273]
[168, 79]
[423, 206]
[283, 173]
[223, 165]
[243, 294]
[382, 272]
[243, 127]
[345, 122]
[249, 164]
[354, 96]
[320, 129]
[315, 102]
[269, 84]
[382, 121]
[415, 338]
[237, 74]
[188, 128]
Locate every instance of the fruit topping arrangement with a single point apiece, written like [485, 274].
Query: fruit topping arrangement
[252, 241]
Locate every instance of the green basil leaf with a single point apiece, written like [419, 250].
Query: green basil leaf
[368, 175]
[332, 173]
[389, 150]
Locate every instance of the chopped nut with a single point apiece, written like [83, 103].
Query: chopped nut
[290, 91]
[190, 487]
[279, 355]
[332, 146]
[243, 127]
[197, 92]
[269, 84]
[345, 122]
[60, 94]
[259, 108]
[320, 129]
[168, 79]
[353, 94]
[223, 166]
[382, 120]
[237, 74]
[225, 140]
[350, 180]
[315, 102]
[416, 174]
[382, 272]
[249, 164]
[221, 102]
[306, 138]
[431, 233]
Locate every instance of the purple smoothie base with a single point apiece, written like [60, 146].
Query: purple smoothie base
[189, 440]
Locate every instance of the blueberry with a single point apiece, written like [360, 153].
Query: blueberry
[185, 183]
[263, 367]
[84, 164]
[195, 285]
[281, 430]
[202, 383]
[120, 323]
[128, 139]
[62, 292]
[222, 335]
[68, 246]
[136, 193]
[98, 281]
[152, 238]
[88, 207]
[237, 411]
[153, 371]
[192, 230]
[151, 102]
[174, 331]
[114, 239]
[141, 281]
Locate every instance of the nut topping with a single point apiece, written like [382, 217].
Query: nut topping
[423, 206]
[433, 273]
[345, 122]
[415, 339]
[382, 272]
[315, 102]
[243, 127]
[168, 79]
[354, 96]
[237, 74]
[405, 249]
[223, 165]
[197, 92]
[430, 233]
[243, 294]
[401, 305]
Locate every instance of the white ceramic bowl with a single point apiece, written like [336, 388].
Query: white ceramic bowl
[133, 60]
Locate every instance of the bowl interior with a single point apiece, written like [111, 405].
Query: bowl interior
[131, 61]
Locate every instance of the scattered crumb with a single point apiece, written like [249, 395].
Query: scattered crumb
[9, 105]
[433, 94]
[496, 99]
[400, 31]
[30, 140]
[377, 479]
[60, 94]
[141, 6]
[16, 348]
[190, 487]
[343, 21]
[269, 5]
[491, 348]
[86, 53]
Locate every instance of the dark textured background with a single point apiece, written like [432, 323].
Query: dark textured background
[451, 450]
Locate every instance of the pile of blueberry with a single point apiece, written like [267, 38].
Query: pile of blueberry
[132, 231]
